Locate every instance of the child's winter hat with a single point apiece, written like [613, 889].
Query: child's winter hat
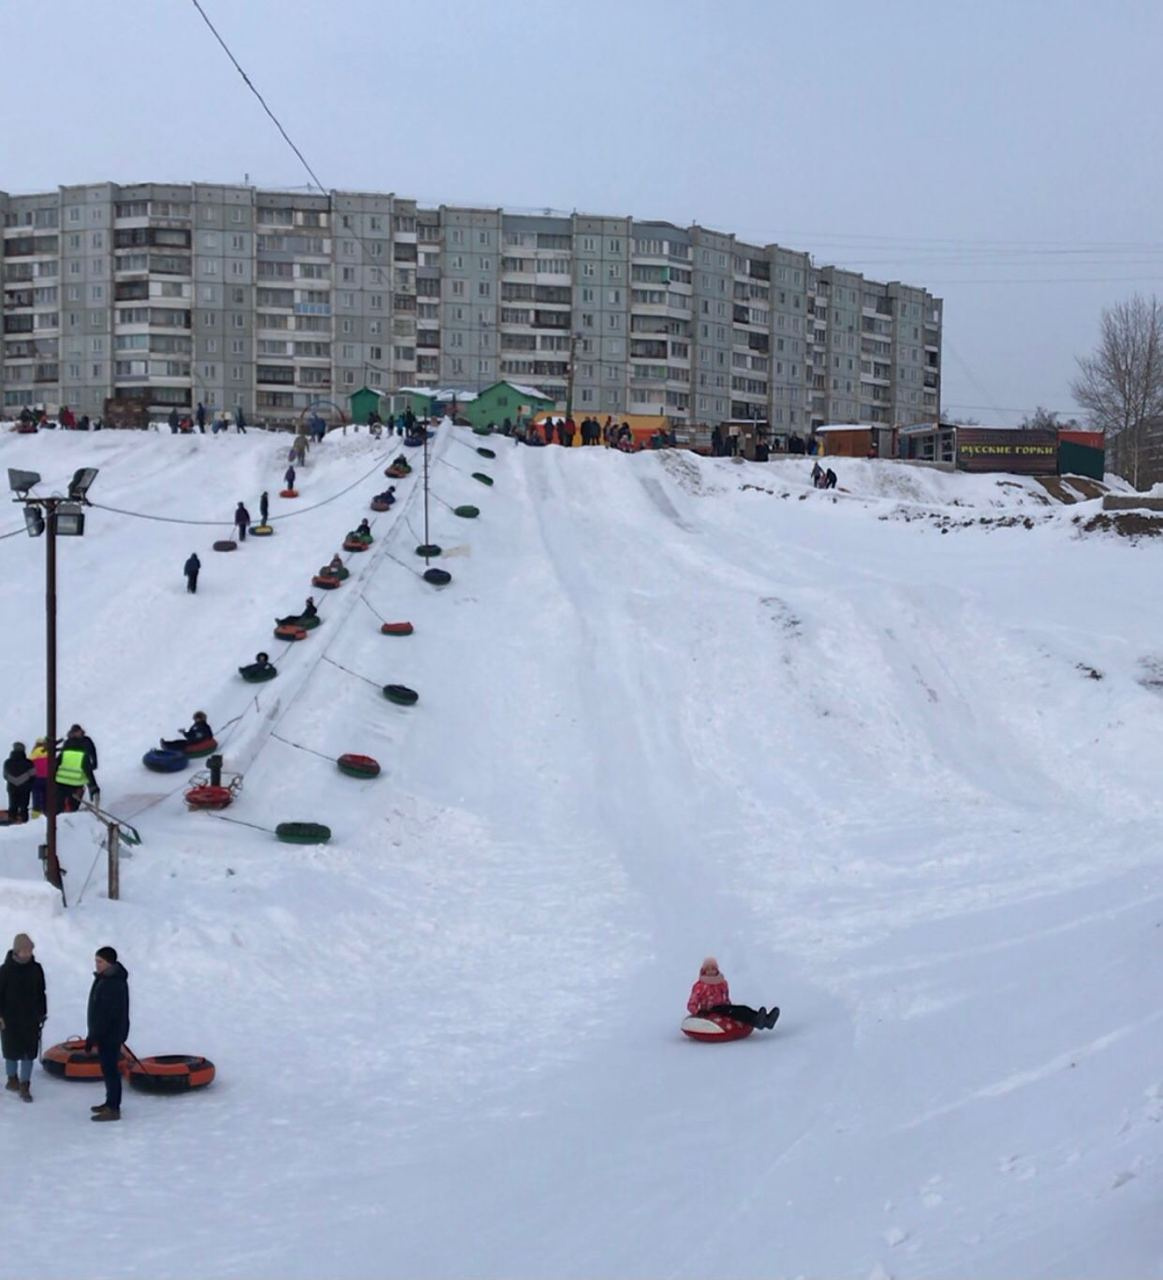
[108, 954]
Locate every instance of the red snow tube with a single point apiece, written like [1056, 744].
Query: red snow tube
[208, 797]
[171, 1073]
[715, 1026]
[325, 580]
[397, 629]
[70, 1061]
[203, 747]
[355, 544]
[288, 493]
[285, 631]
[356, 766]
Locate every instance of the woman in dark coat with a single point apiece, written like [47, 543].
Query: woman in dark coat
[23, 1009]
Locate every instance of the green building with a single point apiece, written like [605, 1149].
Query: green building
[363, 402]
[505, 400]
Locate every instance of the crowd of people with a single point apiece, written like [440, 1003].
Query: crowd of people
[26, 775]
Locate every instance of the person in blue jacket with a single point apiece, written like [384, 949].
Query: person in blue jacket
[108, 1026]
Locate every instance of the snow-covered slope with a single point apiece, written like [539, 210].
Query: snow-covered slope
[903, 783]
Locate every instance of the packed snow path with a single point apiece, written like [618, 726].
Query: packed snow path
[667, 706]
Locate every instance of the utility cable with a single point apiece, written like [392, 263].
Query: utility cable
[250, 85]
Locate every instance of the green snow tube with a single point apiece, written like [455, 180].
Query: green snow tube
[482, 431]
[401, 695]
[486, 453]
[466, 512]
[484, 479]
[309, 624]
[437, 577]
[429, 549]
[302, 833]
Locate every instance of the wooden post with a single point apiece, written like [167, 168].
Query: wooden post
[114, 845]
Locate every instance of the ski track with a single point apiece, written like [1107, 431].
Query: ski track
[660, 715]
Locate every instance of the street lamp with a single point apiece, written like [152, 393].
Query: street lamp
[63, 516]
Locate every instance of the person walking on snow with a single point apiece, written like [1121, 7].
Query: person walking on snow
[200, 417]
[191, 569]
[264, 506]
[710, 994]
[23, 1009]
[289, 477]
[76, 769]
[19, 773]
[108, 1026]
[241, 521]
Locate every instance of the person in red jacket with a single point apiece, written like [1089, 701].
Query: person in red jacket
[710, 994]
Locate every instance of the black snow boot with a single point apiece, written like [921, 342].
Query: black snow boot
[771, 1019]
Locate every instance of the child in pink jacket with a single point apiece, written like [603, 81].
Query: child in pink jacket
[711, 995]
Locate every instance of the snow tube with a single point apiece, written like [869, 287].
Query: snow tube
[482, 431]
[466, 512]
[309, 624]
[438, 577]
[25, 428]
[226, 544]
[208, 797]
[171, 1073]
[378, 505]
[196, 750]
[487, 453]
[287, 631]
[353, 542]
[398, 471]
[484, 479]
[302, 833]
[261, 530]
[288, 493]
[69, 1061]
[396, 629]
[715, 1026]
[401, 695]
[161, 760]
[257, 675]
[356, 766]
[429, 549]
[325, 581]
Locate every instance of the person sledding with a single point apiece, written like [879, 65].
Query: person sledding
[308, 611]
[199, 731]
[710, 996]
[260, 669]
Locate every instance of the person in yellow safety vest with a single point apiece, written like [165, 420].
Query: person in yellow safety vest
[74, 772]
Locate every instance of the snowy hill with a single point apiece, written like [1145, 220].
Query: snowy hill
[903, 784]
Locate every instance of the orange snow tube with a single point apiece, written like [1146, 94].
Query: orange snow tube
[171, 1073]
[71, 1061]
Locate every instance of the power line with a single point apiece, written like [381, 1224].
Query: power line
[250, 85]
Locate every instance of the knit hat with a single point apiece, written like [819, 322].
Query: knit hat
[22, 942]
[709, 971]
[108, 954]
[199, 715]
[18, 746]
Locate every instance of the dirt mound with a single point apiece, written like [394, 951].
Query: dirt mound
[1126, 524]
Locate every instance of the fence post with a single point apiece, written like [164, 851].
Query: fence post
[114, 861]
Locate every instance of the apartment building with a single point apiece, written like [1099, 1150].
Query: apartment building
[278, 302]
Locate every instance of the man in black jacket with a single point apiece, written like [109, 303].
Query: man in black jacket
[191, 569]
[108, 1026]
[19, 773]
[77, 737]
[241, 521]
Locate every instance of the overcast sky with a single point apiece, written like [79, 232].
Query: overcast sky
[1002, 153]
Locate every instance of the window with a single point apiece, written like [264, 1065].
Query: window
[484, 289]
[457, 288]
[237, 346]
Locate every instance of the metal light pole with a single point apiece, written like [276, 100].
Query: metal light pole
[52, 516]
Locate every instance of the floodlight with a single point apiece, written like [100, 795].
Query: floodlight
[33, 521]
[79, 484]
[70, 519]
[21, 481]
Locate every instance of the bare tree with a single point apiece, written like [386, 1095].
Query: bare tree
[1120, 386]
